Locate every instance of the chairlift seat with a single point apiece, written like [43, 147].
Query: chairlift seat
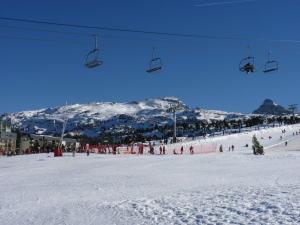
[271, 66]
[92, 59]
[151, 70]
[155, 65]
[270, 70]
[93, 64]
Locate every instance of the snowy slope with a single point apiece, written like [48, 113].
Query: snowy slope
[229, 188]
[91, 119]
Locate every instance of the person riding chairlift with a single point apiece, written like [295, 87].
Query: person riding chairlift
[248, 68]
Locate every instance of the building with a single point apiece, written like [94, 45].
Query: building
[44, 143]
[8, 139]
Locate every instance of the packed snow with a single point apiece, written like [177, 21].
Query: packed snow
[233, 187]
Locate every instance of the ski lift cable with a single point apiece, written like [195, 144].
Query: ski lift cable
[46, 30]
[182, 35]
[67, 41]
[88, 35]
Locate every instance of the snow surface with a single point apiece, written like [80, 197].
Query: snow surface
[218, 188]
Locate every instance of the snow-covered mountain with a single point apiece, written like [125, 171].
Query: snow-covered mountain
[95, 118]
[270, 108]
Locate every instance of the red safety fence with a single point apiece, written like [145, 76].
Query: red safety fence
[169, 149]
[58, 152]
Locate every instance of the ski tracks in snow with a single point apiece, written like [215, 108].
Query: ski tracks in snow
[242, 205]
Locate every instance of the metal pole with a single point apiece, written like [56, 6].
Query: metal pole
[65, 121]
[174, 135]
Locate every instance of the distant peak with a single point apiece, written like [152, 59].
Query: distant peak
[268, 102]
[270, 108]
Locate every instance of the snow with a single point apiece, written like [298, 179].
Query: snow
[139, 114]
[218, 188]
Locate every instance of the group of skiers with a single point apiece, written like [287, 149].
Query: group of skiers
[182, 150]
[230, 148]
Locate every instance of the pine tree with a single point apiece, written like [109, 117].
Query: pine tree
[258, 149]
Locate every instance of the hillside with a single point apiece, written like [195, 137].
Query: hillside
[94, 119]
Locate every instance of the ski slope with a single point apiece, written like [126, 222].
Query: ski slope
[218, 188]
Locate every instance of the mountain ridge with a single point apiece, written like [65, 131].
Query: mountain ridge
[105, 118]
[94, 116]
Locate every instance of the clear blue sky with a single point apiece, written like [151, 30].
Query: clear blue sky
[204, 73]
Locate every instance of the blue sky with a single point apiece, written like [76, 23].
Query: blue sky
[202, 72]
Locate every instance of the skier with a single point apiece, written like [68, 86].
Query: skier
[152, 150]
[181, 150]
[160, 150]
[114, 150]
[73, 151]
[88, 152]
[164, 150]
[286, 143]
[221, 148]
[232, 147]
[191, 150]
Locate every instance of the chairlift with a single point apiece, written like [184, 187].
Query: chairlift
[92, 59]
[155, 63]
[271, 65]
[247, 65]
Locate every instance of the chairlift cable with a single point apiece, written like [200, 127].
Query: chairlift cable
[46, 30]
[67, 41]
[182, 35]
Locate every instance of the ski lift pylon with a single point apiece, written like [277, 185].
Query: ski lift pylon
[155, 63]
[271, 65]
[92, 58]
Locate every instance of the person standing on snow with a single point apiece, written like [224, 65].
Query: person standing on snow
[221, 148]
[164, 150]
[191, 150]
[160, 150]
[181, 150]
[73, 151]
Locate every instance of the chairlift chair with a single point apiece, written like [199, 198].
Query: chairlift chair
[92, 59]
[247, 65]
[271, 65]
[155, 64]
